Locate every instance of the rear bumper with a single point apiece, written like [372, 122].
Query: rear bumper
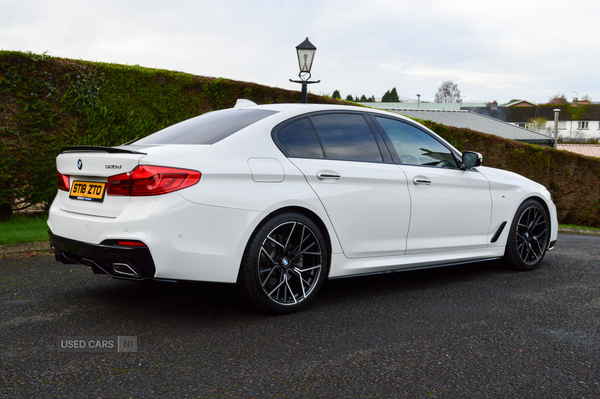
[118, 261]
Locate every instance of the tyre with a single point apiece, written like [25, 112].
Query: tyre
[284, 265]
[528, 237]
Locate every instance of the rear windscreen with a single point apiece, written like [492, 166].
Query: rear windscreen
[207, 128]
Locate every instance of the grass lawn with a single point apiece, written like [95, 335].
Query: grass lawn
[571, 226]
[24, 228]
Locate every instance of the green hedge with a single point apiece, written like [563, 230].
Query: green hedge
[47, 103]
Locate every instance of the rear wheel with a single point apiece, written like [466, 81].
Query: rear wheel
[284, 265]
[528, 237]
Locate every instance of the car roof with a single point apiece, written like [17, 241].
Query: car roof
[287, 110]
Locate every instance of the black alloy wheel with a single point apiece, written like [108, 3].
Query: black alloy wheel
[528, 237]
[284, 265]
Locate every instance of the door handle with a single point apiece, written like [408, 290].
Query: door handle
[328, 175]
[420, 180]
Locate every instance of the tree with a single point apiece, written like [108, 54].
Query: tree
[365, 99]
[390, 96]
[447, 93]
[558, 98]
[537, 125]
[349, 97]
[576, 136]
[336, 95]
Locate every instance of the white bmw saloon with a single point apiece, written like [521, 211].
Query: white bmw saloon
[277, 198]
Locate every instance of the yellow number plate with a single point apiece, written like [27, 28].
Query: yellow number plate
[88, 191]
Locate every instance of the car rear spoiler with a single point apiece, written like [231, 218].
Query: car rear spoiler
[93, 148]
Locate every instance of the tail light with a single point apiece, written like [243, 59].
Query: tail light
[62, 181]
[152, 180]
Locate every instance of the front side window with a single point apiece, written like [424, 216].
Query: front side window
[347, 137]
[415, 146]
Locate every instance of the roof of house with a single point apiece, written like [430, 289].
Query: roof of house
[583, 112]
[591, 150]
[421, 105]
[520, 103]
[478, 123]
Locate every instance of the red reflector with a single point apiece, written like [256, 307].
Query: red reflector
[152, 180]
[131, 244]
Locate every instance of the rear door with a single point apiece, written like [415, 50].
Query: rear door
[366, 198]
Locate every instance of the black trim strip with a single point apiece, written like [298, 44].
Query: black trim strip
[498, 232]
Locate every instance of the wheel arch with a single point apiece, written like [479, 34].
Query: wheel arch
[303, 211]
[309, 214]
[544, 205]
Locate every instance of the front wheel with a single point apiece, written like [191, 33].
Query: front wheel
[528, 237]
[284, 264]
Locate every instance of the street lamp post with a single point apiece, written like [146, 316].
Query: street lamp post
[418, 101]
[556, 111]
[306, 54]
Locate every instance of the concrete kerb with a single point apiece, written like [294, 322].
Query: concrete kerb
[43, 247]
[584, 232]
[25, 249]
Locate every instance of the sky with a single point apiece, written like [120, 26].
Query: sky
[500, 50]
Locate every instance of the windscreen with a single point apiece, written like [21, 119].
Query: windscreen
[207, 128]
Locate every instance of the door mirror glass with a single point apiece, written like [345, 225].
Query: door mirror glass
[471, 159]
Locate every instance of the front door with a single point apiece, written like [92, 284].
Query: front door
[451, 207]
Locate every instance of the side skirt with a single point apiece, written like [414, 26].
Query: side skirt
[416, 268]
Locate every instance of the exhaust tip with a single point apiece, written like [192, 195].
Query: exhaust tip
[124, 269]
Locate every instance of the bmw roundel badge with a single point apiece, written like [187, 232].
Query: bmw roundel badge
[79, 164]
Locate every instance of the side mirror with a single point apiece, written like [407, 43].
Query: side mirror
[471, 159]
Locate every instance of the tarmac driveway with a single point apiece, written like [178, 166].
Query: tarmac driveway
[467, 331]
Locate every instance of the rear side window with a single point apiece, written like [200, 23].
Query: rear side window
[347, 137]
[207, 128]
[299, 140]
